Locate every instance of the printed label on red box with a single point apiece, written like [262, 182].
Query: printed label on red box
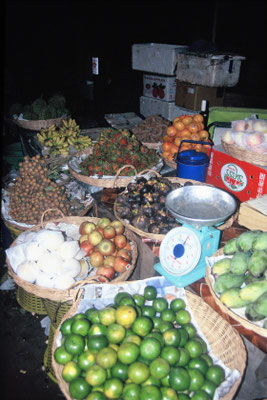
[244, 180]
[233, 177]
[159, 87]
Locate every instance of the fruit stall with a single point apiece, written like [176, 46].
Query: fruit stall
[144, 249]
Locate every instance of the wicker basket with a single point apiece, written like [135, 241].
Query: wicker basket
[57, 302]
[47, 360]
[112, 182]
[159, 237]
[30, 302]
[245, 155]
[38, 124]
[225, 342]
[242, 321]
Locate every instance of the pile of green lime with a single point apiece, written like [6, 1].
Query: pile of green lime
[140, 347]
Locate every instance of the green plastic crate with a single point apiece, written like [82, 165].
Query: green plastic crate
[223, 116]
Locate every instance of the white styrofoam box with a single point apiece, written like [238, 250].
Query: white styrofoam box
[159, 86]
[167, 109]
[215, 70]
[156, 57]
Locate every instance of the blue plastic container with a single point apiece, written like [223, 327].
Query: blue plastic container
[192, 164]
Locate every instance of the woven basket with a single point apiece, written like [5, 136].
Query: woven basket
[38, 124]
[245, 155]
[225, 342]
[242, 321]
[57, 302]
[30, 302]
[47, 360]
[159, 237]
[111, 182]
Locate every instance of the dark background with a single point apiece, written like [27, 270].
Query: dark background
[48, 46]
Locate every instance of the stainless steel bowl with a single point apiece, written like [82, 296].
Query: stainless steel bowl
[200, 205]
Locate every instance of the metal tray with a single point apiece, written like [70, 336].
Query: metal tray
[200, 205]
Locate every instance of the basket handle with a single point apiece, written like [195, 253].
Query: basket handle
[149, 170]
[119, 171]
[46, 211]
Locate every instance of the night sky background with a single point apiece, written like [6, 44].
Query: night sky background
[48, 45]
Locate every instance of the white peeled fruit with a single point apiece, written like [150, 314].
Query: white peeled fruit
[44, 280]
[34, 251]
[84, 270]
[71, 267]
[28, 270]
[68, 249]
[63, 282]
[50, 263]
[50, 240]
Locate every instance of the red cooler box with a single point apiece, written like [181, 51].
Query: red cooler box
[244, 180]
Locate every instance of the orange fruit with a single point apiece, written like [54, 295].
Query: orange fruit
[171, 130]
[179, 125]
[198, 118]
[166, 146]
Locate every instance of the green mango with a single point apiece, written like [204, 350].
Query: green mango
[260, 243]
[250, 278]
[253, 290]
[230, 247]
[231, 298]
[252, 314]
[257, 264]
[227, 281]
[260, 305]
[245, 240]
[239, 262]
[221, 266]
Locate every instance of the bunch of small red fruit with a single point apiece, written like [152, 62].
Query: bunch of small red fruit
[107, 246]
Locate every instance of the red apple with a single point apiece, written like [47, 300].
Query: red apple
[83, 238]
[109, 261]
[87, 247]
[96, 259]
[101, 230]
[106, 247]
[118, 225]
[125, 254]
[128, 246]
[95, 237]
[120, 264]
[106, 272]
[86, 227]
[102, 222]
[109, 232]
[120, 241]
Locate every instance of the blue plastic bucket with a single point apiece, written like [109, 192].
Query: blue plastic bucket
[192, 164]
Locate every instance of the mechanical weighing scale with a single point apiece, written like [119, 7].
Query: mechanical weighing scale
[183, 250]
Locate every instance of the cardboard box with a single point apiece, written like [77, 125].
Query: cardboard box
[190, 96]
[156, 57]
[244, 180]
[253, 214]
[166, 109]
[159, 87]
[214, 70]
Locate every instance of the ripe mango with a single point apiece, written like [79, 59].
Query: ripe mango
[231, 298]
[253, 291]
[221, 266]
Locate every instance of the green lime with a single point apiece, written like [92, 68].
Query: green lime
[196, 379]
[80, 326]
[209, 387]
[200, 395]
[165, 325]
[128, 353]
[150, 348]
[184, 336]
[168, 393]
[79, 388]
[142, 326]
[138, 372]
[171, 354]
[190, 329]
[160, 304]
[148, 311]
[198, 363]
[115, 333]
[113, 388]
[65, 327]
[86, 359]
[150, 392]
[139, 299]
[62, 356]
[107, 316]
[131, 391]
[70, 371]
[150, 292]
[74, 343]
[194, 348]
[171, 337]
[177, 304]
[183, 317]
[96, 343]
[168, 315]
[179, 379]
[120, 371]
[106, 357]
[95, 375]
[184, 357]
[159, 368]
[215, 374]
[97, 329]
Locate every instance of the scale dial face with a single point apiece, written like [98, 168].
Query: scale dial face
[180, 251]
